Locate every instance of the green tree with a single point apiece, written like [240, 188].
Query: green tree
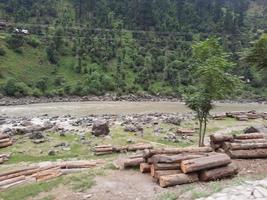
[258, 55]
[211, 81]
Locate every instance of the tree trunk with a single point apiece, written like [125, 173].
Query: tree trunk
[145, 168]
[198, 164]
[177, 179]
[135, 162]
[171, 151]
[249, 136]
[174, 158]
[218, 173]
[200, 132]
[166, 166]
[251, 141]
[158, 173]
[248, 154]
[204, 132]
[245, 146]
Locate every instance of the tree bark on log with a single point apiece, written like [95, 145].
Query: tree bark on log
[250, 141]
[139, 147]
[174, 158]
[170, 151]
[249, 136]
[248, 154]
[211, 161]
[13, 180]
[5, 140]
[135, 162]
[3, 136]
[6, 144]
[167, 166]
[218, 173]
[177, 179]
[158, 173]
[145, 168]
[104, 149]
[245, 146]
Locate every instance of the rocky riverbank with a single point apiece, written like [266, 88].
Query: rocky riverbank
[8, 101]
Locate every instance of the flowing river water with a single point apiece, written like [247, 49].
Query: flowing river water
[98, 108]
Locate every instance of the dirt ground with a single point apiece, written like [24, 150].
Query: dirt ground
[132, 185]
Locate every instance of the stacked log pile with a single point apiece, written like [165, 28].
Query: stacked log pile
[245, 116]
[175, 166]
[244, 146]
[109, 149]
[5, 141]
[42, 173]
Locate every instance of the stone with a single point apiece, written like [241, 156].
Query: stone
[36, 136]
[51, 153]
[100, 128]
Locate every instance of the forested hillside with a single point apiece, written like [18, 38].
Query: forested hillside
[86, 47]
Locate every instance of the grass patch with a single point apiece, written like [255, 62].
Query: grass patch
[167, 196]
[26, 191]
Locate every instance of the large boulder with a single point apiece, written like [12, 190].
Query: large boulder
[100, 128]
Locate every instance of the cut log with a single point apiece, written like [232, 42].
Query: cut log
[248, 154]
[174, 158]
[157, 174]
[166, 166]
[170, 151]
[246, 146]
[5, 140]
[177, 179]
[198, 164]
[217, 138]
[18, 171]
[218, 173]
[250, 141]
[77, 164]
[249, 136]
[145, 168]
[135, 162]
[103, 146]
[2, 136]
[13, 180]
[5, 144]
[139, 147]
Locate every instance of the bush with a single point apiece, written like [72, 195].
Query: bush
[16, 88]
[34, 42]
[2, 51]
[15, 41]
[42, 84]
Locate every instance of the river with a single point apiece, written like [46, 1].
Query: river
[86, 108]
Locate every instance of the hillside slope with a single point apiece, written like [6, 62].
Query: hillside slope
[94, 47]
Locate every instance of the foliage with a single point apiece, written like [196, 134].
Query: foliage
[16, 88]
[211, 81]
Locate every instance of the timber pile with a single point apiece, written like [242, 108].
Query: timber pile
[245, 146]
[42, 173]
[5, 141]
[4, 158]
[245, 116]
[175, 166]
[109, 149]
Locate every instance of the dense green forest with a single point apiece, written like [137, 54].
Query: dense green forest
[81, 47]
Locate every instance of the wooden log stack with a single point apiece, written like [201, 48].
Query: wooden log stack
[41, 173]
[244, 146]
[109, 149]
[175, 166]
[5, 141]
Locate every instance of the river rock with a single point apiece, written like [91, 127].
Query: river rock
[256, 129]
[100, 128]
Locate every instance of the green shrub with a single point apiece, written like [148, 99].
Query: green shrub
[16, 88]
[2, 51]
[42, 84]
[34, 42]
[15, 41]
